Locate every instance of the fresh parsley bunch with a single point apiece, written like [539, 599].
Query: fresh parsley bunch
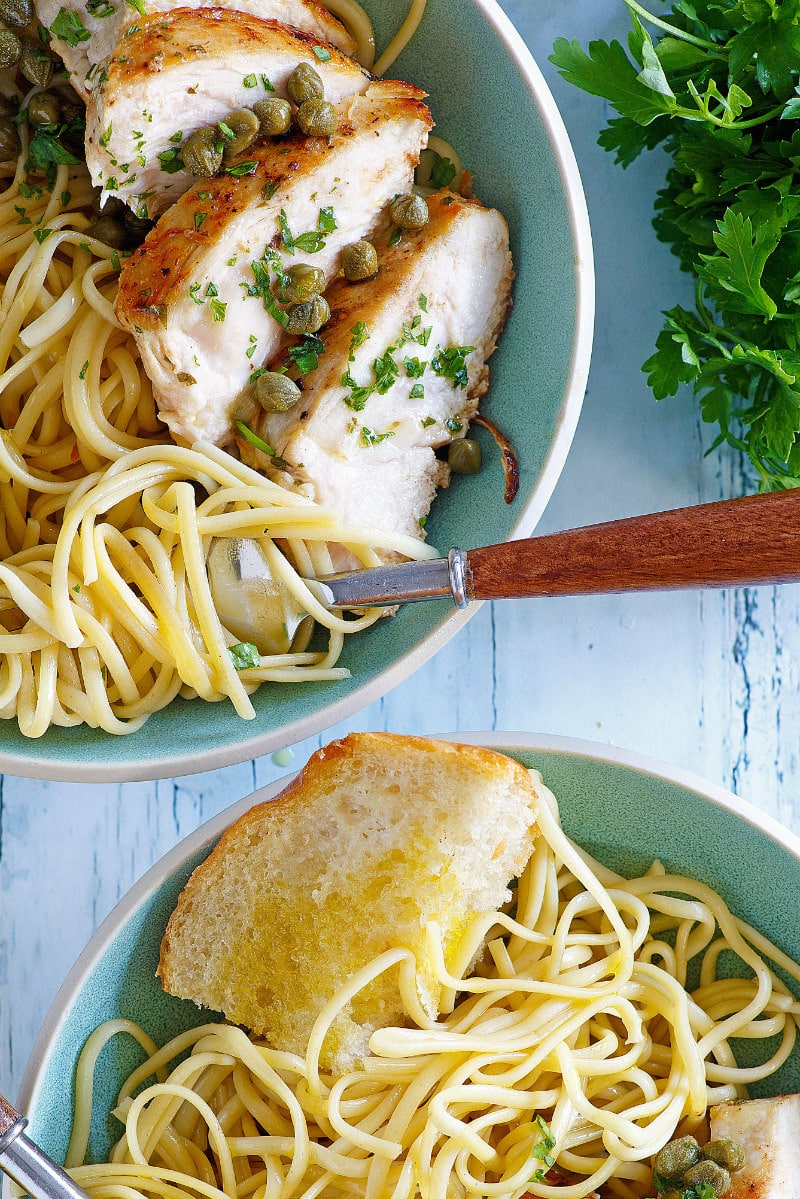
[717, 84]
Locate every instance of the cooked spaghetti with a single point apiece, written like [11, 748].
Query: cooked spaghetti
[598, 1025]
[105, 606]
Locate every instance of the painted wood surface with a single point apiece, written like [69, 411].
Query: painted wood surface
[707, 681]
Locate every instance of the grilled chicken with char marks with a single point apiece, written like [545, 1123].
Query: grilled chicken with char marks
[403, 369]
[172, 73]
[191, 294]
[105, 23]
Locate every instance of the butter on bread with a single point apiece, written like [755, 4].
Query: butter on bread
[378, 835]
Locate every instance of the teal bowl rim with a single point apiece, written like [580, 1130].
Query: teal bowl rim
[141, 892]
[63, 768]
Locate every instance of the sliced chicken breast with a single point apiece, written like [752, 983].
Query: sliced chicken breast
[196, 293]
[768, 1131]
[174, 72]
[402, 372]
[95, 30]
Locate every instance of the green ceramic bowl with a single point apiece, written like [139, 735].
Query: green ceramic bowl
[624, 809]
[498, 113]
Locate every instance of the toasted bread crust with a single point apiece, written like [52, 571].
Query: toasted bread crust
[377, 835]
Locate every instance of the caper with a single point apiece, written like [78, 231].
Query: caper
[244, 125]
[725, 1153]
[711, 1174]
[9, 140]
[10, 47]
[44, 109]
[464, 456]
[676, 1157]
[359, 261]
[36, 63]
[72, 108]
[108, 230]
[16, 13]
[111, 206]
[202, 151]
[317, 118]
[300, 283]
[409, 211]
[309, 316]
[274, 116]
[276, 392]
[135, 226]
[304, 84]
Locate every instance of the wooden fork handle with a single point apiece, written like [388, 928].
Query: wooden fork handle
[733, 543]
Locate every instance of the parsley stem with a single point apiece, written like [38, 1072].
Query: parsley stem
[678, 33]
[704, 114]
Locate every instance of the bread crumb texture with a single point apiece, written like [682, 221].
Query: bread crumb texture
[377, 836]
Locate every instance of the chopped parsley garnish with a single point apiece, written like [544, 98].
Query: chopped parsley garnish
[171, 160]
[226, 131]
[451, 364]
[138, 5]
[244, 655]
[395, 236]
[326, 221]
[24, 219]
[69, 28]
[423, 303]
[83, 370]
[417, 392]
[250, 81]
[442, 172]
[414, 368]
[542, 1151]
[427, 421]
[199, 217]
[322, 54]
[261, 287]
[46, 152]
[218, 309]
[360, 334]
[306, 354]
[370, 438]
[42, 234]
[254, 439]
[242, 168]
[314, 240]
[266, 84]
[100, 8]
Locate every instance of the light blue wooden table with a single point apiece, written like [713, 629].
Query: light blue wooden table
[708, 682]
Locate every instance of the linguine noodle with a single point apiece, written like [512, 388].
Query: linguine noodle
[598, 1025]
[105, 607]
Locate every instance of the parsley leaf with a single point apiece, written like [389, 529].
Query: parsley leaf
[253, 438]
[717, 87]
[451, 364]
[244, 655]
[70, 28]
[306, 354]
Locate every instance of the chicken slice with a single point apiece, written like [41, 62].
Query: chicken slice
[174, 72]
[403, 369]
[195, 294]
[768, 1131]
[94, 27]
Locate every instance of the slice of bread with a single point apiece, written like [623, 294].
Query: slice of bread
[378, 835]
